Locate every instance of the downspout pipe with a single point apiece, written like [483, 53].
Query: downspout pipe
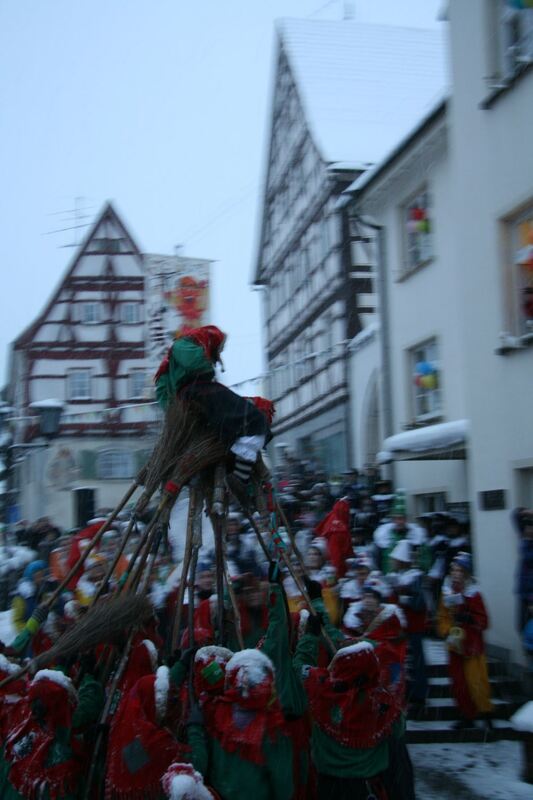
[383, 295]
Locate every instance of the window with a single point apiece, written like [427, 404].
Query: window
[429, 502]
[79, 384]
[417, 225]
[90, 313]
[425, 380]
[115, 464]
[130, 313]
[516, 31]
[137, 384]
[521, 278]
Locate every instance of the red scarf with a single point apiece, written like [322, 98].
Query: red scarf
[140, 748]
[42, 728]
[241, 723]
[347, 701]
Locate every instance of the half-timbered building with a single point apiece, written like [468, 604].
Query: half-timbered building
[343, 94]
[90, 350]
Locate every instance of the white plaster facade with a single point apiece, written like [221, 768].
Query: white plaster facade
[474, 158]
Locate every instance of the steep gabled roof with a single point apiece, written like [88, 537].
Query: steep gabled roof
[363, 87]
[107, 213]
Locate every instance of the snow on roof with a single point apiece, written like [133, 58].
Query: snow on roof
[432, 437]
[363, 87]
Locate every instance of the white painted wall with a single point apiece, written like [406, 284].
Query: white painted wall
[493, 175]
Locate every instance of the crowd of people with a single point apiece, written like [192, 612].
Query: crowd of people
[305, 691]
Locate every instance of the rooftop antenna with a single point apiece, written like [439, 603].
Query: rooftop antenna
[178, 249]
[348, 10]
[76, 216]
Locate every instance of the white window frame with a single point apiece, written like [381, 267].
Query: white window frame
[519, 278]
[516, 38]
[93, 318]
[432, 397]
[133, 377]
[115, 465]
[409, 262]
[74, 394]
[128, 306]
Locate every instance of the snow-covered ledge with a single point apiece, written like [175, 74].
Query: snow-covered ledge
[442, 436]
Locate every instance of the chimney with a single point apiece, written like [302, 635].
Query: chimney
[349, 10]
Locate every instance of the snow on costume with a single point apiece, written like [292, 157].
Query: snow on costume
[182, 782]
[141, 747]
[335, 528]
[10, 694]
[188, 371]
[245, 752]
[43, 756]
[352, 718]
[461, 620]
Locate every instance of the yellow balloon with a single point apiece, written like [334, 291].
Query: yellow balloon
[428, 381]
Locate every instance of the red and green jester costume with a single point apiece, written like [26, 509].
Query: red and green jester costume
[352, 718]
[245, 751]
[44, 756]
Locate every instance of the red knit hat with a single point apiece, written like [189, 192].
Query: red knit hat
[140, 747]
[48, 707]
[182, 782]
[210, 670]
[250, 693]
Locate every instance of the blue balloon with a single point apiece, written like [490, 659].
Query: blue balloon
[427, 368]
[419, 367]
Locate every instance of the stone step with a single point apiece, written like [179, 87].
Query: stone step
[425, 733]
[444, 708]
[501, 687]
[440, 670]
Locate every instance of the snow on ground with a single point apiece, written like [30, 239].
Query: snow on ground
[489, 771]
[7, 631]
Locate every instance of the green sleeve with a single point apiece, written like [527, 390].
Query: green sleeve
[306, 653]
[187, 360]
[276, 647]
[177, 674]
[197, 739]
[90, 703]
[278, 755]
[334, 633]
[21, 642]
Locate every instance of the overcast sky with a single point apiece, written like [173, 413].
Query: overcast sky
[160, 106]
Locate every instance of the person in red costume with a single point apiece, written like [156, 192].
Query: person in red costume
[461, 620]
[336, 529]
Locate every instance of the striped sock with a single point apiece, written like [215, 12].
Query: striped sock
[242, 469]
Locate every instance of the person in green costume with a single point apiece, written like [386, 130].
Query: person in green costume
[352, 718]
[389, 533]
[188, 372]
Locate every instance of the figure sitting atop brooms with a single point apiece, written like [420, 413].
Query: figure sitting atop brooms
[242, 424]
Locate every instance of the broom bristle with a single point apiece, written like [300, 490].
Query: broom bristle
[105, 623]
[184, 447]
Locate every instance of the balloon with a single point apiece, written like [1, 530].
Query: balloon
[418, 380]
[428, 381]
[419, 214]
[426, 368]
[412, 226]
[419, 367]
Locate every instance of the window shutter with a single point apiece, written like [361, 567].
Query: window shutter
[88, 464]
[141, 457]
